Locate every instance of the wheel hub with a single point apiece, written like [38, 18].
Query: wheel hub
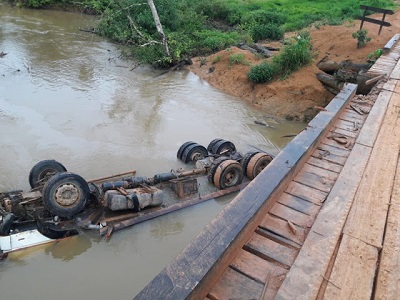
[67, 194]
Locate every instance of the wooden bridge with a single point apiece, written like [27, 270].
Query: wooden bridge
[321, 221]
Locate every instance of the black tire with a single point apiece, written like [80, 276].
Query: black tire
[258, 162]
[214, 167]
[212, 143]
[182, 148]
[229, 173]
[193, 153]
[65, 194]
[246, 158]
[54, 233]
[43, 170]
[223, 147]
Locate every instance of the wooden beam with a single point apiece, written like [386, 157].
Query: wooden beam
[379, 22]
[367, 217]
[387, 283]
[353, 273]
[370, 131]
[377, 9]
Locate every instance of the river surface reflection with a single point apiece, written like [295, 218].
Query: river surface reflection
[67, 95]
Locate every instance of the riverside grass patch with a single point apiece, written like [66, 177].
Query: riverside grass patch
[199, 28]
[296, 54]
[301, 13]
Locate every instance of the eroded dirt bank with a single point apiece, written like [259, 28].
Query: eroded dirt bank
[296, 96]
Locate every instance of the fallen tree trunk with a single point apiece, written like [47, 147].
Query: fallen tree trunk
[330, 66]
[264, 51]
[256, 49]
[330, 81]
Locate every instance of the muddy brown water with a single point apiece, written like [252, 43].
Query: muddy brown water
[67, 95]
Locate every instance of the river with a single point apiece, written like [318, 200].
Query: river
[68, 95]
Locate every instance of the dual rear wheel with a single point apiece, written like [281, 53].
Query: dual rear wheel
[64, 194]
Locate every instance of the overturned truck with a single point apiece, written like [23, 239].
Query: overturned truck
[60, 202]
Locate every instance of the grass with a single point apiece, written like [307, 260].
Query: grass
[297, 53]
[301, 13]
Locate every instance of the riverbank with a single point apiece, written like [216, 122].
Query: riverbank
[294, 97]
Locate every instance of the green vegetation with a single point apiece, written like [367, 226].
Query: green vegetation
[195, 28]
[373, 56]
[237, 59]
[295, 55]
[261, 73]
[362, 38]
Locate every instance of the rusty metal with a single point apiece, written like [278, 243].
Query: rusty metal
[184, 187]
[101, 179]
[67, 194]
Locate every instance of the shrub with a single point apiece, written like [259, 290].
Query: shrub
[237, 59]
[373, 56]
[295, 55]
[216, 59]
[264, 17]
[362, 38]
[269, 31]
[212, 40]
[262, 73]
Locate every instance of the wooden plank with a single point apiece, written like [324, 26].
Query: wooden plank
[255, 267]
[281, 227]
[351, 113]
[391, 43]
[327, 156]
[277, 238]
[346, 125]
[270, 250]
[304, 278]
[378, 22]
[377, 9]
[334, 143]
[353, 273]
[349, 133]
[337, 151]
[349, 116]
[387, 283]
[294, 216]
[395, 74]
[306, 193]
[389, 85]
[322, 163]
[367, 216]
[369, 131]
[317, 178]
[234, 285]
[299, 204]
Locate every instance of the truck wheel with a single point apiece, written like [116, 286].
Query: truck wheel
[223, 147]
[229, 173]
[246, 158]
[54, 233]
[43, 170]
[193, 153]
[214, 167]
[256, 164]
[212, 143]
[182, 148]
[65, 194]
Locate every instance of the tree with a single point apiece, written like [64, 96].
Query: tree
[159, 27]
